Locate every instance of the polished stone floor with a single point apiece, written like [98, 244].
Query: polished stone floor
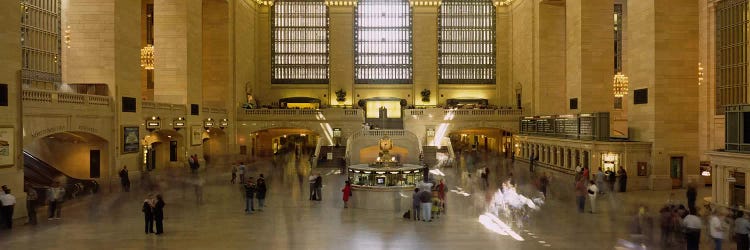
[291, 221]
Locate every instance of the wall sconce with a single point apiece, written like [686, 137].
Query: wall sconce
[224, 123]
[154, 123]
[208, 123]
[178, 123]
[67, 36]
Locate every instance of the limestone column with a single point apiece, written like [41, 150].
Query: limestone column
[664, 62]
[425, 42]
[341, 55]
[506, 94]
[10, 59]
[549, 61]
[178, 58]
[590, 54]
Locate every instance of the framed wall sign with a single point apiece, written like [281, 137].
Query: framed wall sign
[7, 146]
[642, 170]
[131, 142]
[196, 135]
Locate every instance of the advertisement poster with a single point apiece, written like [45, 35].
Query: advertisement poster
[7, 150]
[130, 140]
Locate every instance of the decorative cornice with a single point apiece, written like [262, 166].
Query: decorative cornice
[425, 3]
[341, 3]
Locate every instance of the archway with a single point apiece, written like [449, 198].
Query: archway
[79, 155]
[268, 142]
[164, 148]
[214, 145]
[489, 140]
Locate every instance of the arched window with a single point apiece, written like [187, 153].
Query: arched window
[383, 48]
[300, 42]
[466, 39]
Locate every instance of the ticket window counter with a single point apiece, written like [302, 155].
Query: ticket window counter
[385, 179]
[611, 162]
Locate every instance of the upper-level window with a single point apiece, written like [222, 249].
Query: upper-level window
[41, 44]
[300, 42]
[467, 42]
[383, 49]
[731, 53]
[618, 38]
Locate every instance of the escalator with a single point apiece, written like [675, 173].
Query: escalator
[41, 175]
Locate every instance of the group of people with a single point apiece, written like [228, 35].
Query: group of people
[255, 190]
[238, 169]
[428, 200]
[604, 181]
[54, 194]
[153, 211]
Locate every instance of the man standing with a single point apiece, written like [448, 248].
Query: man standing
[31, 203]
[249, 195]
[600, 180]
[425, 197]
[691, 194]
[125, 179]
[261, 192]
[741, 230]
[319, 187]
[716, 228]
[693, 226]
[9, 202]
[311, 180]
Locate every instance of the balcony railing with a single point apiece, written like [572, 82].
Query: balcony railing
[52, 97]
[464, 114]
[328, 114]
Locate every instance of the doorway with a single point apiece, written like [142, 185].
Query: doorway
[172, 150]
[94, 163]
[675, 171]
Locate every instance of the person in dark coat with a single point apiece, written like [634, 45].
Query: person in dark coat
[319, 187]
[623, 179]
[692, 194]
[125, 179]
[260, 190]
[250, 189]
[148, 213]
[159, 214]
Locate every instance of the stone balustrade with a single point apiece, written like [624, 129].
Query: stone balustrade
[31, 96]
[328, 114]
[463, 114]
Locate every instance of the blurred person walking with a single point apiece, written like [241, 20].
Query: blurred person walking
[32, 202]
[311, 180]
[741, 230]
[600, 181]
[55, 197]
[261, 192]
[717, 228]
[124, 179]
[242, 169]
[593, 190]
[693, 227]
[691, 194]
[425, 199]
[347, 193]
[623, 176]
[580, 190]
[250, 189]
[319, 187]
[234, 173]
[415, 204]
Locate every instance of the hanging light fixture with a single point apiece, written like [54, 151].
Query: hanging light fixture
[147, 57]
[620, 85]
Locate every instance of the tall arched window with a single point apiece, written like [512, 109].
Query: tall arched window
[300, 42]
[383, 48]
[466, 41]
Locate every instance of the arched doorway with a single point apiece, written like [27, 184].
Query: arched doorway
[268, 142]
[76, 154]
[214, 145]
[164, 148]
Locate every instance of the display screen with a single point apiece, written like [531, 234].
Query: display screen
[380, 180]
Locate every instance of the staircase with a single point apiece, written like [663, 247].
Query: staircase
[429, 154]
[337, 161]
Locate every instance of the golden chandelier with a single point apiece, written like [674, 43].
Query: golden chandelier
[147, 57]
[620, 85]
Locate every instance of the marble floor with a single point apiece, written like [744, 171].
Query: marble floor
[290, 221]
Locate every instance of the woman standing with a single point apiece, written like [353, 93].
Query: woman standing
[260, 190]
[347, 193]
[148, 213]
[159, 214]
